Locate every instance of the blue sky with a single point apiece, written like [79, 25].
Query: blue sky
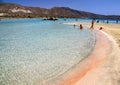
[107, 7]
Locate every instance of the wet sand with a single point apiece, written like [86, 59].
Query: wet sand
[102, 66]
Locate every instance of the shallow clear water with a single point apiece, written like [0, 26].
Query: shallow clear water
[35, 51]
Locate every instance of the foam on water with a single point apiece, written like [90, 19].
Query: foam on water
[32, 50]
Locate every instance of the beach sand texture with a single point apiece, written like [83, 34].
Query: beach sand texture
[103, 63]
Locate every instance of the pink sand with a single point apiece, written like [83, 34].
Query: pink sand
[90, 70]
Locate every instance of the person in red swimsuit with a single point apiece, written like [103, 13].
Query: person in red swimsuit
[81, 27]
[100, 28]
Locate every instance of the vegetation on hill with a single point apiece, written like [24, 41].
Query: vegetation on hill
[16, 10]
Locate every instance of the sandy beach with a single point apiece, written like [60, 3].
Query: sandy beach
[62, 42]
[102, 66]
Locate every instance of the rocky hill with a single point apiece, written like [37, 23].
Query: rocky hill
[16, 10]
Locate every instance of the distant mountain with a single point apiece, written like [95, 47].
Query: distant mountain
[16, 10]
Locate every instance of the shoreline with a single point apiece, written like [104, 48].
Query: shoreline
[91, 62]
[98, 74]
[102, 65]
[110, 28]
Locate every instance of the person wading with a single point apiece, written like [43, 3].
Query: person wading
[92, 24]
[81, 27]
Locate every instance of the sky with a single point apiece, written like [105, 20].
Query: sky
[106, 7]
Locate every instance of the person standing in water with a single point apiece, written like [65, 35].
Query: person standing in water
[92, 24]
[81, 27]
[117, 21]
[107, 21]
[74, 25]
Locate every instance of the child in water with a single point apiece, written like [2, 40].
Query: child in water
[81, 27]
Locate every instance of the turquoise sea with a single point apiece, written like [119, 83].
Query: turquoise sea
[33, 50]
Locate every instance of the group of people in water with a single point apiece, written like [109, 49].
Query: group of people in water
[91, 27]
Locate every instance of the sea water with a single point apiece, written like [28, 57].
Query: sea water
[36, 51]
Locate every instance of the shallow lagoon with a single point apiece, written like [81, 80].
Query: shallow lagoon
[32, 50]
